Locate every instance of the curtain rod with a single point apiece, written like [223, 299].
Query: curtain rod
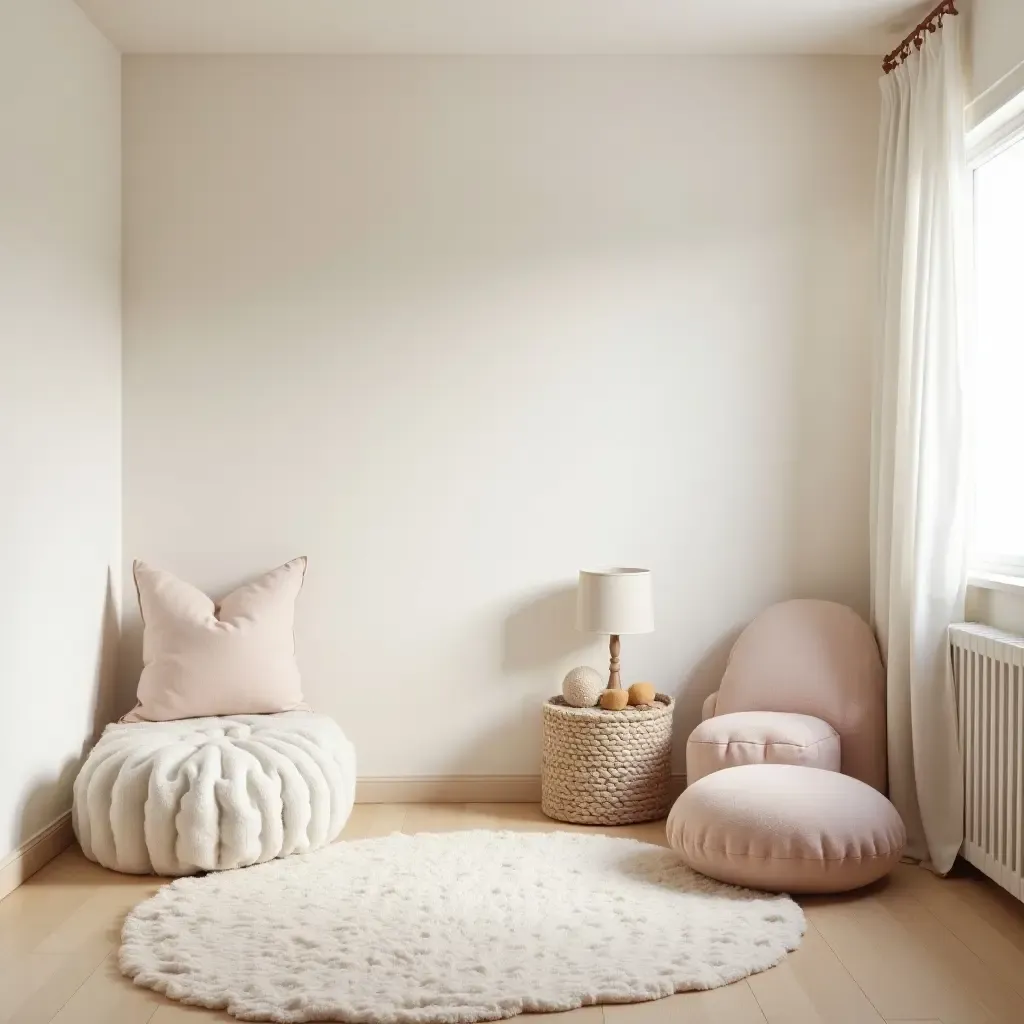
[930, 24]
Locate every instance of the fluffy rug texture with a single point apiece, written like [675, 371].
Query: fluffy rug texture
[205, 794]
[465, 926]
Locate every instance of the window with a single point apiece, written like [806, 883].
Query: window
[998, 363]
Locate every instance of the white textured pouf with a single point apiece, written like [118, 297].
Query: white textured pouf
[205, 794]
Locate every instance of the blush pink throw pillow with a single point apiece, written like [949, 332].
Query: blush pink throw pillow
[232, 658]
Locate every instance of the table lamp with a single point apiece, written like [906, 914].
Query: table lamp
[614, 601]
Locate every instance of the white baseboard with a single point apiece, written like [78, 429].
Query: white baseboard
[440, 789]
[450, 789]
[34, 853]
[461, 789]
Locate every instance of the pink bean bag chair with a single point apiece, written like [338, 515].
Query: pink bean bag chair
[786, 775]
[803, 673]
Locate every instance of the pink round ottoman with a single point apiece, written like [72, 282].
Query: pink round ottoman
[786, 828]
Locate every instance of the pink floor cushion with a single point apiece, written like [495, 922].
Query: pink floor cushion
[760, 737]
[786, 828]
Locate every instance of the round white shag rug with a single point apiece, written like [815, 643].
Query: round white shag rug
[458, 927]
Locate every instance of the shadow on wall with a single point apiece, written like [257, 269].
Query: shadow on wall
[829, 545]
[541, 630]
[129, 664]
[538, 637]
[703, 678]
[47, 797]
[105, 706]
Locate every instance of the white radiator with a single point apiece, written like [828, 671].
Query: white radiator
[988, 673]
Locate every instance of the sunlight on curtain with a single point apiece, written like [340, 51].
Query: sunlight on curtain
[919, 487]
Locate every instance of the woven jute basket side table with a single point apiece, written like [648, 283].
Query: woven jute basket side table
[607, 767]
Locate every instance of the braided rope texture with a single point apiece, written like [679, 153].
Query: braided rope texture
[607, 767]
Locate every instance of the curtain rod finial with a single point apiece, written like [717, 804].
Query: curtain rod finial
[916, 37]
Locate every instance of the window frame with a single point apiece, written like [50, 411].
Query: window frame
[993, 136]
[996, 133]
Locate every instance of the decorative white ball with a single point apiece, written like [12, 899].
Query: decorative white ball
[582, 687]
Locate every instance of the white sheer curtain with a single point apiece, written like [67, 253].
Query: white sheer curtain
[918, 529]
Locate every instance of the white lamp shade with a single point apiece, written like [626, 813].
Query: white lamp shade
[615, 601]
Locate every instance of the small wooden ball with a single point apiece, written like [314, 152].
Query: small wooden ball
[614, 700]
[582, 687]
[642, 693]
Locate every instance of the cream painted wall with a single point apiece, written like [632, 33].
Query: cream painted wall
[60, 385]
[997, 41]
[996, 82]
[456, 327]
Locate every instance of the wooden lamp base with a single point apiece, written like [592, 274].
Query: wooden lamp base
[614, 682]
[614, 697]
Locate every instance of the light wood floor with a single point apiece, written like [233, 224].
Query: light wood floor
[914, 948]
